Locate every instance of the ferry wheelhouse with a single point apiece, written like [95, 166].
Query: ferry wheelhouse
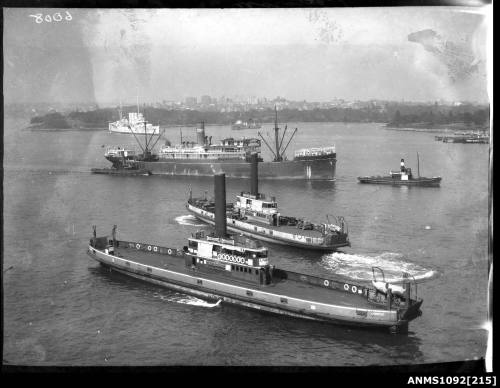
[242, 257]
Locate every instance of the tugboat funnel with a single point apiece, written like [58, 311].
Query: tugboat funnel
[254, 175]
[220, 205]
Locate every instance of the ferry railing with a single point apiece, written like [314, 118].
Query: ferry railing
[149, 248]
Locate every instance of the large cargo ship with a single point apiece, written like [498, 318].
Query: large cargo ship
[233, 269]
[232, 157]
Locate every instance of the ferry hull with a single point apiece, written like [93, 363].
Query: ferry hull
[198, 284]
[320, 169]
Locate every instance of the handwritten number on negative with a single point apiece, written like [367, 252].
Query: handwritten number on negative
[57, 17]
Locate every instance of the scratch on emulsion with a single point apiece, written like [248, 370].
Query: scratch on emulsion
[456, 56]
[327, 30]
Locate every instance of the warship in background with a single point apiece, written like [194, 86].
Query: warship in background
[134, 124]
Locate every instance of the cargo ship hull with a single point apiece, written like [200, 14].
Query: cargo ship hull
[308, 169]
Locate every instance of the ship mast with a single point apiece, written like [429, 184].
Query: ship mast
[278, 158]
[278, 152]
[145, 133]
[418, 166]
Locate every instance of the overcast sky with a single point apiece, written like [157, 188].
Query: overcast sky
[101, 55]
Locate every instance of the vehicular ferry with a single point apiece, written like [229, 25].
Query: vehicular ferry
[235, 270]
[257, 216]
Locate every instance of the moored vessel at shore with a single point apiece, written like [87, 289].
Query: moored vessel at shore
[469, 137]
[236, 270]
[250, 124]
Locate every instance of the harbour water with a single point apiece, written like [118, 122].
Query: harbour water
[62, 308]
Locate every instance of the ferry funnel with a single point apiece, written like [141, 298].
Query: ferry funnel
[254, 175]
[200, 135]
[220, 205]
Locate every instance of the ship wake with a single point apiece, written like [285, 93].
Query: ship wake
[187, 299]
[359, 267]
[189, 220]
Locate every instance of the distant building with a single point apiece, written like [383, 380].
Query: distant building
[206, 100]
[191, 101]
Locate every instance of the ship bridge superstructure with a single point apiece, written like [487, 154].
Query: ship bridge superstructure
[203, 149]
[247, 202]
[227, 251]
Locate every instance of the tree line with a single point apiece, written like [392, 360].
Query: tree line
[395, 115]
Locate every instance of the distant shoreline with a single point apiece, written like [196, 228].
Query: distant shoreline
[453, 127]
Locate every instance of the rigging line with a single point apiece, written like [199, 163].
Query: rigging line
[291, 137]
[159, 136]
[145, 134]
[136, 139]
[146, 137]
[281, 142]
[268, 146]
[154, 130]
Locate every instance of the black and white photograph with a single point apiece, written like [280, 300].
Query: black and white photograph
[247, 187]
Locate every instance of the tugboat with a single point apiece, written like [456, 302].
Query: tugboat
[257, 216]
[232, 269]
[404, 177]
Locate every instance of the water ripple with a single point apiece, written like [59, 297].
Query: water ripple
[359, 267]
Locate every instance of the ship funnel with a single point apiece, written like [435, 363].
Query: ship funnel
[254, 175]
[200, 134]
[220, 205]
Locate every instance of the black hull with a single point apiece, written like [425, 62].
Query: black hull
[429, 182]
[322, 168]
[122, 171]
